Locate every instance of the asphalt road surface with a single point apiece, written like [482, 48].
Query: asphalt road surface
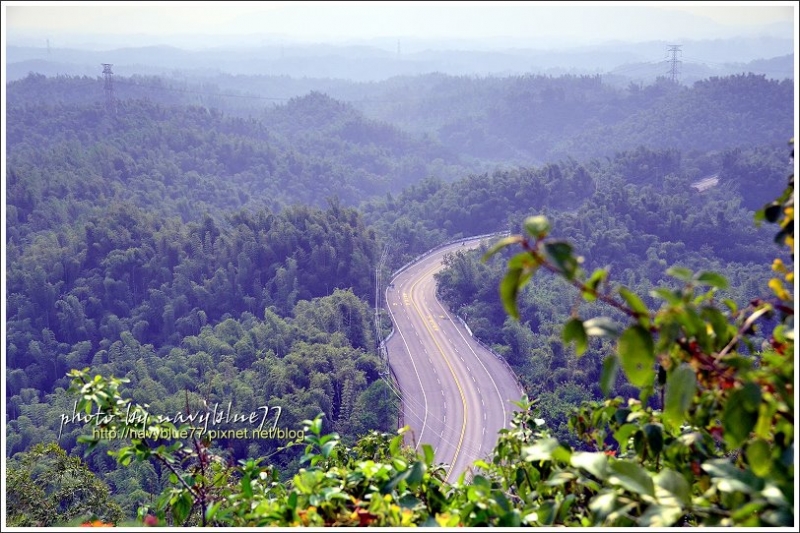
[456, 394]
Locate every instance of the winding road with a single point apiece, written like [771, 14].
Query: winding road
[456, 394]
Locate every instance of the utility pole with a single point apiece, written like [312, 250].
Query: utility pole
[108, 87]
[48, 46]
[674, 49]
[378, 325]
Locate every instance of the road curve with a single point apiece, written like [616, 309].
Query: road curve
[456, 394]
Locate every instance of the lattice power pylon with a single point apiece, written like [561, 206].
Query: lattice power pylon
[674, 63]
[108, 87]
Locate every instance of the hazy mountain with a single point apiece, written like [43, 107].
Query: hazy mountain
[368, 62]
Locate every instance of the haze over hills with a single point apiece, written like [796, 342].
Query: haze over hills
[373, 62]
[217, 222]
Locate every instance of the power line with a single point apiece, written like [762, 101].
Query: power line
[631, 67]
[191, 91]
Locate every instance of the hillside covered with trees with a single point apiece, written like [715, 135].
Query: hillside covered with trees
[227, 254]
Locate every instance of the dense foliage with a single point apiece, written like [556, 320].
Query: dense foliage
[709, 441]
[258, 308]
[47, 487]
[522, 119]
[211, 259]
[535, 119]
[147, 153]
[643, 216]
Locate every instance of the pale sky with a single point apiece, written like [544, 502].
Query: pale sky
[576, 21]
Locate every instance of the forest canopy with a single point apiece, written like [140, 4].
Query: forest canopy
[228, 253]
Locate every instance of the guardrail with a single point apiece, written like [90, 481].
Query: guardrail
[385, 353]
[382, 346]
[443, 245]
[491, 351]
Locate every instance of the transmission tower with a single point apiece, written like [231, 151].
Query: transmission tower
[674, 49]
[108, 86]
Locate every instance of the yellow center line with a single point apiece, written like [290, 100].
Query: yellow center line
[460, 390]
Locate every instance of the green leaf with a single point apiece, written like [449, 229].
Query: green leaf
[546, 513]
[392, 483]
[537, 226]
[750, 394]
[766, 411]
[600, 326]
[399, 464]
[314, 426]
[661, 516]
[637, 305]
[560, 255]
[327, 448]
[502, 501]
[713, 279]
[737, 422]
[567, 504]
[211, 510]
[676, 485]
[407, 501]
[683, 274]
[723, 330]
[623, 435]
[594, 463]
[759, 457]
[247, 487]
[510, 519]
[740, 414]
[681, 387]
[774, 495]
[654, 434]
[481, 481]
[181, 508]
[631, 477]
[747, 511]
[476, 493]
[728, 478]
[509, 289]
[427, 451]
[394, 446]
[669, 296]
[417, 473]
[499, 245]
[573, 330]
[637, 355]
[609, 374]
[541, 450]
[562, 454]
[694, 325]
[597, 277]
[604, 504]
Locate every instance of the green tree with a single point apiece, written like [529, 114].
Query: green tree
[45, 487]
[709, 441]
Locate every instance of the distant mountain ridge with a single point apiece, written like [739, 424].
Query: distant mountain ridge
[372, 63]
